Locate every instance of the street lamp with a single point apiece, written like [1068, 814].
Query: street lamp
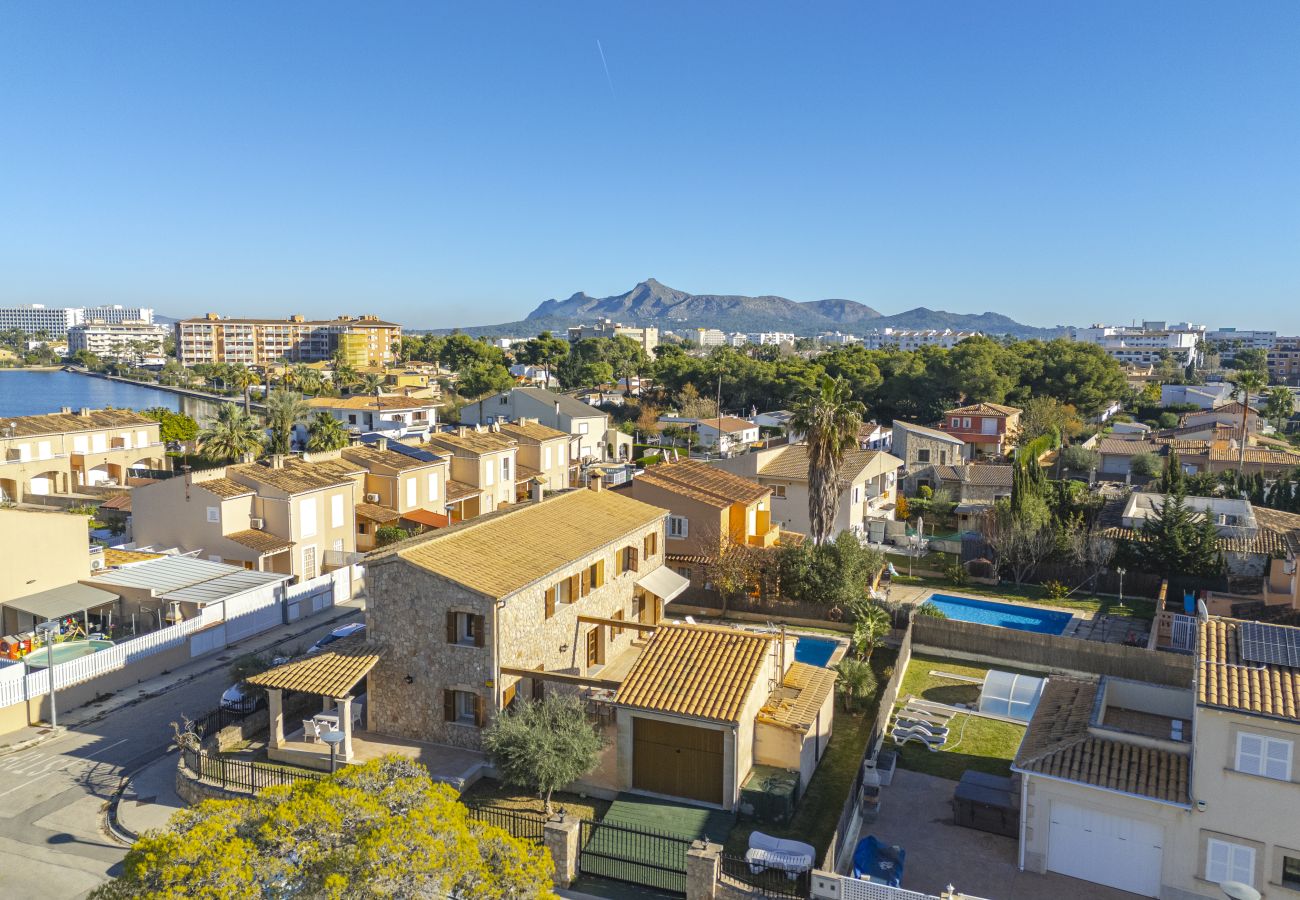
[48, 630]
[1120, 570]
[333, 738]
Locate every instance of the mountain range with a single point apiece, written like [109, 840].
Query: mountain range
[654, 303]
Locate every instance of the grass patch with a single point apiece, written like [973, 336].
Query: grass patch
[818, 810]
[1137, 607]
[489, 792]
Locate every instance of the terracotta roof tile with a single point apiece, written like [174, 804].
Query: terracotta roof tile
[792, 464]
[333, 672]
[473, 442]
[115, 557]
[369, 455]
[259, 541]
[62, 423]
[703, 482]
[299, 475]
[1227, 681]
[699, 671]
[532, 432]
[371, 402]
[225, 488]
[984, 409]
[926, 431]
[119, 502]
[377, 513]
[458, 490]
[797, 702]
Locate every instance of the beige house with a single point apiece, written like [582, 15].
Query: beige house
[867, 486]
[543, 453]
[591, 439]
[59, 453]
[392, 415]
[64, 551]
[399, 489]
[498, 607]
[484, 459]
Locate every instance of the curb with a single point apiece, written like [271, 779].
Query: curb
[8, 749]
[115, 829]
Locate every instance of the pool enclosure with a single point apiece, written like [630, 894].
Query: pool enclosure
[1011, 695]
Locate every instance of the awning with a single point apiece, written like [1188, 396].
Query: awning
[664, 583]
[62, 601]
[332, 672]
[425, 517]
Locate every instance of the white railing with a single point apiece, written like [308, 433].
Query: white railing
[858, 889]
[1182, 635]
[84, 668]
[11, 684]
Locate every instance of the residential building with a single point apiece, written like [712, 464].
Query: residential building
[910, 339]
[647, 337]
[138, 342]
[761, 338]
[1229, 342]
[533, 375]
[64, 554]
[874, 436]
[363, 340]
[116, 313]
[777, 418]
[972, 487]
[1206, 396]
[1228, 414]
[392, 415]
[1117, 453]
[1284, 361]
[402, 487]
[33, 317]
[726, 434]
[58, 453]
[918, 446]
[708, 337]
[543, 453]
[485, 459]
[1146, 344]
[867, 487]
[510, 605]
[292, 515]
[989, 428]
[587, 427]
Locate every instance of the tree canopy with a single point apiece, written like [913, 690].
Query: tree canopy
[544, 745]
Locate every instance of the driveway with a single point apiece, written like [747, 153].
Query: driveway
[916, 812]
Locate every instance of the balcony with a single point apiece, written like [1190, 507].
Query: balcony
[765, 539]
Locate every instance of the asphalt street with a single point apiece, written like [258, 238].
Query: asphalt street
[53, 797]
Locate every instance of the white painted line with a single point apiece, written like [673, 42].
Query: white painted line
[70, 764]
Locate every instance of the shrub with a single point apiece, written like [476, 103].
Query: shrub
[1146, 465]
[956, 574]
[1055, 590]
[1078, 458]
[390, 534]
[929, 609]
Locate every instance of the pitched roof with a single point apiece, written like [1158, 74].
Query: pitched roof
[60, 423]
[458, 489]
[333, 672]
[377, 513]
[370, 455]
[702, 671]
[926, 431]
[730, 424]
[473, 441]
[371, 402]
[796, 704]
[502, 552]
[792, 463]
[700, 481]
[984, 409]
[1255, 455]
[1058, 743]
[1125, 447]
[570, 406]
[532, 432]
[119, 502]
[114, 556]
[1227, 681]
[298, 475]
[225, 488]
[985, 475]
[259, 541]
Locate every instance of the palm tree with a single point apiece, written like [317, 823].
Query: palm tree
[324, 432]
[1279, 405]
[307, 379]
[1245, 383]
[230, 434]
[829, 419]
[873, 623]
[242, 378]
[371, 384]
[284, 409]
[856, 680]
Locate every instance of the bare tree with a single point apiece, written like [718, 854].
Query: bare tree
[1089, 551]
[734, 570]
[1018, 544]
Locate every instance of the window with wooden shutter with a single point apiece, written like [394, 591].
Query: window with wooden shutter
[451, 628]
[575, 585]
[550, 602]
[618, 563]
[477, 629]
[633, 560]
[449, 706]
[649, 544]
[614, 630]
[480, 716]
[586, 582]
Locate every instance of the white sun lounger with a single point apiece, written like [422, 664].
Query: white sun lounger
[937, 731]
[903, 735]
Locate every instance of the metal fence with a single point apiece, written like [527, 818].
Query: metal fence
[520, 823]
[241, 775]
[207, 725]
[638, 856]
[766, 882]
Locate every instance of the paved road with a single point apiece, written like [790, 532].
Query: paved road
[52, 797]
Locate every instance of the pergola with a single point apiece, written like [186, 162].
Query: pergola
[331, 674]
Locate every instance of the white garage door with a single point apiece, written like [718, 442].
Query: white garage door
[1113, 850]
[41, 485]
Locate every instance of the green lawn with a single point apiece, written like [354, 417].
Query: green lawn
[986, 745]
[818, 810]
[1137, 607]
[489, 792]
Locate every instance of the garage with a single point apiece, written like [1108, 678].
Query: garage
[677, 760]
[1117, 851]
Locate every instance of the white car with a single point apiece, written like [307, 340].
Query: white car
[341, 632]
[237, 696]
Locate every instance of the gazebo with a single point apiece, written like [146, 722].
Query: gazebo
[331, 674]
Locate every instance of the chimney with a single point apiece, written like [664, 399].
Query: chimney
[66, 410]
[84, 412]
[462, 431]
[277, 461]
[382, 443]
[539, 490]
[557, 409]
[596, 481]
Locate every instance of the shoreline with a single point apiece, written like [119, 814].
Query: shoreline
[171, 389]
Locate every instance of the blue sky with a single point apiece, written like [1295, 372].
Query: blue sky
[455, 165]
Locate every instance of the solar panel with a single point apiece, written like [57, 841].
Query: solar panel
[1269, 644]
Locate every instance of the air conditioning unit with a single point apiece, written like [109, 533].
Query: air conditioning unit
[372, 498]
[257, 524]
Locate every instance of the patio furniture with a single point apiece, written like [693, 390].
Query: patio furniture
[938, 731]
[768, 852]
[878, 862]
[310, 731]
[326, 721]
[986, 803]
[922, 715]
[903, 735]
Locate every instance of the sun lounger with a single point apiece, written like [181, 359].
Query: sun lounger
[768, 852]
[924, 715]
[903, 735]
[938, 731]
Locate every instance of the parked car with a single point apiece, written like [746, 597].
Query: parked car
[242, 698]
[341, 632]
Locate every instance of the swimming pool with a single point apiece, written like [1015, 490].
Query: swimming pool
[814, 650]
[1004, 615]
[66, 651]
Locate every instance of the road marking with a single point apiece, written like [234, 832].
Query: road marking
[55, 760]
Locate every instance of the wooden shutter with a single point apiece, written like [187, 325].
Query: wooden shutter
[476, 626]
[586, 582]
[618, 563]
[451, 628]
[633, 562]
[550, 601]
[600, 572]
[649, 544]
[449, 706]
[575, 584]
[479, 715]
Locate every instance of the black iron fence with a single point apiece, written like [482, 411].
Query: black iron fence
[520, 823]
[635, 855]
[766, 881]
[208, 724]
[239, 774]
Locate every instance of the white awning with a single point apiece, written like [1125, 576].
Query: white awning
[664, 583]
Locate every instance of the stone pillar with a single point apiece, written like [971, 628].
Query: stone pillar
[275, 708]
[562, 836]
[343, 709]
[703, 864]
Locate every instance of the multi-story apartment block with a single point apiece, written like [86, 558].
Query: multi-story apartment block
[363, 340]
[60, 452]
[910, 339]
[484, 458]
[1229, 341]
[135, 341]
[708, 337]
[1284, 361]
[33, 317]
[1144, 345]
[543, 453]
[117, 314]
[647, 337]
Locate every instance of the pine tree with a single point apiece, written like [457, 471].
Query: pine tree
[1173, 479]
[1179, 541]
[1257, 489]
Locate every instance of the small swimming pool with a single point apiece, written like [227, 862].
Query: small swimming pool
[815, 651]
[1004, 615]
[38, 659]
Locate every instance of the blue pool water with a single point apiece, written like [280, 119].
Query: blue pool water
[814, 650]
[1004, 615]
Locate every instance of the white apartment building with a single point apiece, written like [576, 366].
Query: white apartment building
[135, 341]
[708, 337]
[912, 339]
[117, 314]
[33, 317]
[837, 337]
[1230, 341]
[647, 337]
[1142, 345]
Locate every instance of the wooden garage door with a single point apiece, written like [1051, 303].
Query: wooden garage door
[678, 760]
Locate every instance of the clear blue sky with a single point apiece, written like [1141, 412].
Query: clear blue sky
[1059, 162]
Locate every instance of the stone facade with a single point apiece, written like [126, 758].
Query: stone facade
[920, 447]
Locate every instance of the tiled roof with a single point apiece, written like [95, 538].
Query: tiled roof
[523, 473]
[472, 441]
[984, 409]
[792, 463]
[703, 482]
[333, 672]
[1266, 542]
[1255, 455]
[62, 423]
[805, 689]
[1058, 744]
[225, 488]
[119, 502]
[370, 402]
[457, 490]
[926, 431]
[532, 432]
[986, 475]
[259, 541]
[730, 424]
[114, 557]
[370, 455]
[377, 513]
[701, 671]
[1227, 681]
[298, 475]
[499, 553]
[1122, 447]
[569, 406]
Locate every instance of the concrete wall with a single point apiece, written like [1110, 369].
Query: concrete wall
[174, 513]
[64, 555]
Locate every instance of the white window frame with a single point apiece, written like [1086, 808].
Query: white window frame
[433, 487]
[214, 515]
[80, 443]
[679, 527]
[307, 517]
[309, 571]
[490, 474]
[1271, 757]
[583, 428]
[546, 457]
[505, 469]
[1235, 862]
[336, 511]
[412, 492]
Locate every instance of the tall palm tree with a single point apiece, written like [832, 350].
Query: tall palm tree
[371, 384]
[1279, 405]
[230, 434]
[829, 419]
[1245, 383]
[242, 378]
[307, 379]
[324, 432]
[284, 409]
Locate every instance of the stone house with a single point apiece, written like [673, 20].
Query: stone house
[500, 607]
[543, 452]
[918, 446]
[973, 488]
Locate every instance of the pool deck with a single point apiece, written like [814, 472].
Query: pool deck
[1085, 625]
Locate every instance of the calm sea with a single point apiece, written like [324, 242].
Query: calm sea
[27, 393]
